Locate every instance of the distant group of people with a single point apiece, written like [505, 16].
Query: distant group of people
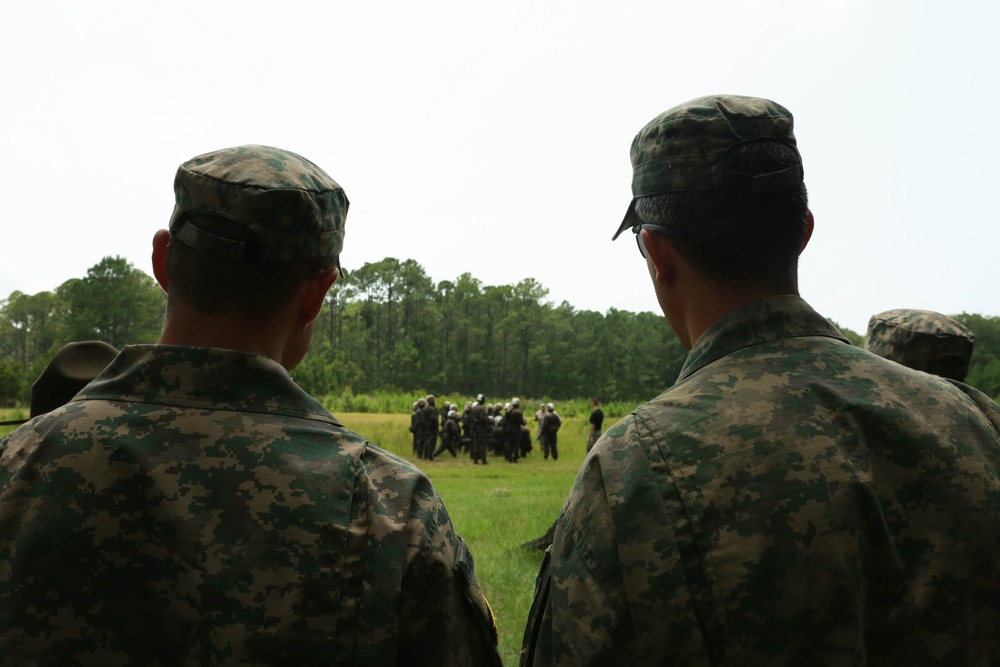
[791, 499]
[482, 428]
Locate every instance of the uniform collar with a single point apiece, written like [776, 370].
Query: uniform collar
[773, 318]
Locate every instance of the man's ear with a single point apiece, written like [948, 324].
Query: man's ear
[810, 223]
[315, 292]
[662, 256]
[160, 242]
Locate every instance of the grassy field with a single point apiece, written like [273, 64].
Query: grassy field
[496, 508]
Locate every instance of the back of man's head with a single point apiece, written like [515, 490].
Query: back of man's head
[250, 223]
[723, 174]
[922, 339]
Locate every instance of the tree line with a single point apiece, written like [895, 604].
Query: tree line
[388, 326]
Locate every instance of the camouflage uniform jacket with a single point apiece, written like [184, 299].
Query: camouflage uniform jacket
[194, 506]
[791, 500]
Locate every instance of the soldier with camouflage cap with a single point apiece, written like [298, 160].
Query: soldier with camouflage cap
[791, 499]
[922, 339]
[193, 505]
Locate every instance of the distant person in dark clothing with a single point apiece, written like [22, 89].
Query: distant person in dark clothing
[513, 423]
[430, 422]
[596, 421]
[550, 428]
[480, 430]
[451, 434]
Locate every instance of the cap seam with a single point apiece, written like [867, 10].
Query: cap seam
[258, 187]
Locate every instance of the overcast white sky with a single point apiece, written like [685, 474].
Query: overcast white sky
[493, 138]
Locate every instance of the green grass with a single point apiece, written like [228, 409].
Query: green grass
[496, 508]
[7, 414]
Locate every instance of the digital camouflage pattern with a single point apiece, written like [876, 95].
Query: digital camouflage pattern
[922, 339]
[193, 506]
[791, 500]
[684, 148]
[296, 211]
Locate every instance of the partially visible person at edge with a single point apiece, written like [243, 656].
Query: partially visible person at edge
[193, 505]
[596, 422]
[68, 371]
[415, 426]
[791, 499]
[922, 339]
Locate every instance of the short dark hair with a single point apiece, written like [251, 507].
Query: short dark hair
[250, 289]
[738, 238]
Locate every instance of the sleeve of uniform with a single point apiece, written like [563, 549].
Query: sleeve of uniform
[623, 583]
[444, 616]
[984, 403]
[580, 613]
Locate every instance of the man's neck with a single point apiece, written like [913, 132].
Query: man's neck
[186, 326]
[712, 304]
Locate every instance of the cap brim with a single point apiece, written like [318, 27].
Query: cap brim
[629, 221]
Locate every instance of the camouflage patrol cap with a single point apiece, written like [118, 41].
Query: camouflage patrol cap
[292, 208]
[921, 339]
[684, 148]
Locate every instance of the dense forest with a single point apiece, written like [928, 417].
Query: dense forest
[387, 326]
